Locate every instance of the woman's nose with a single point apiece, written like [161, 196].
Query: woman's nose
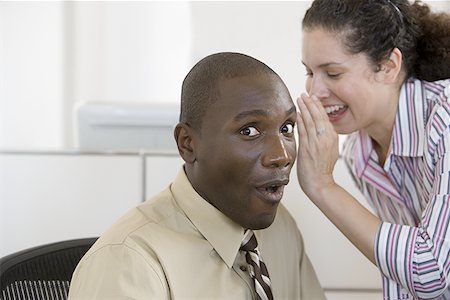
[316, 86]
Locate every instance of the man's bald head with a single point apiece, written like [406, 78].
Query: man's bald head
[200, 86]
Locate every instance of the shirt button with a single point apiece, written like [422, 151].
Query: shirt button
[243, 268]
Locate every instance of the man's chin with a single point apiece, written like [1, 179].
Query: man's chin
[263, 221]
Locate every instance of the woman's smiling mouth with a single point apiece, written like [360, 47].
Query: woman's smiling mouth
[335, 112]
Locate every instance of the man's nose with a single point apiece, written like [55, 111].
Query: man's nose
[276, 154]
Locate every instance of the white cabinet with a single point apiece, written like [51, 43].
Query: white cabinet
[160, 172]
[354, 295]
[52, 197]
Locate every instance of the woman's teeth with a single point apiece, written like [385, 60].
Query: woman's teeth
[333, 109]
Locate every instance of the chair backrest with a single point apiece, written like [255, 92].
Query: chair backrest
[42, 272]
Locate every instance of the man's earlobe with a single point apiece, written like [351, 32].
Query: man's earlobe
[183, 134]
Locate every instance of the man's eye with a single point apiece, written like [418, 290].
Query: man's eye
[288, 128]
[250, 131]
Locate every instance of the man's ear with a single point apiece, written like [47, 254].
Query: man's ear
[184, 137]
[392, 67]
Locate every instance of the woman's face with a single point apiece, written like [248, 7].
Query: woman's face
[345, 83]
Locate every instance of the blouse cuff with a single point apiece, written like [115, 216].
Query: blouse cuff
[394, 250]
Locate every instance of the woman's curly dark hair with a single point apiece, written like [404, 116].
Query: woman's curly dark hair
[376, 27]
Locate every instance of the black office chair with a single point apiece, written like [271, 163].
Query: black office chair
[42, 272]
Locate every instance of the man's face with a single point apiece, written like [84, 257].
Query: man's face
[246, 149]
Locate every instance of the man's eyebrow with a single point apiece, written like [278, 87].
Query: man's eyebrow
[260, 112]
[248, 113]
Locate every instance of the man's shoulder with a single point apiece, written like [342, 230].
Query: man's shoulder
[140, 220]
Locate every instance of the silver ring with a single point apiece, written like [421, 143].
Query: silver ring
[320, 131]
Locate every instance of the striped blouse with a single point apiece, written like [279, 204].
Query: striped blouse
[411, 193]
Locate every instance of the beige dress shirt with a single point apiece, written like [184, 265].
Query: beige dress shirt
[178, 246]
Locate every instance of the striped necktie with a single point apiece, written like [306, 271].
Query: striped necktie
[257, 268]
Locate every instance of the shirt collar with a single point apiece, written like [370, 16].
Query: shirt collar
[366, 166]
[221, 232]
[408, 131]
[409, 127]
[363, 151]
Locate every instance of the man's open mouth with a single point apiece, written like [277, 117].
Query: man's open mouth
[272, 192]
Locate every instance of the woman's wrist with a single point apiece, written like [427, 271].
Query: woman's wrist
[320, 190]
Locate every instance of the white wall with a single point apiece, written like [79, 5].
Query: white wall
[53, 54]
[31, 74]
[137, 51]
[269, 31]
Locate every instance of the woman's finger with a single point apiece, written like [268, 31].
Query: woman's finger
[320, 108]
[301, 128]
[307, 119]
[318, 114]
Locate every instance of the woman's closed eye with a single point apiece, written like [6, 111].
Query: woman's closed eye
[334, 75]
[309, 73]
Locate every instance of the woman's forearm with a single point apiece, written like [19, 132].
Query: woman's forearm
[357, 223]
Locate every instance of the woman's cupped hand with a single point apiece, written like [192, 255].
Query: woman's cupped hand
[318, 148]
